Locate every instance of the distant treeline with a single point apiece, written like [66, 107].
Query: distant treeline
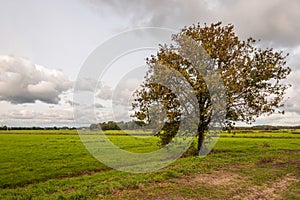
[134, 125]
[37, 128]
[266, 127]
[111, 125]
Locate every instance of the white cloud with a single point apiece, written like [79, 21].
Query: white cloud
[99, 105]
[86, 84]
[122, 93]
[22, 81]
[288, 119]
[30, 117]
[105, 92]
[30, 114]
[111, 103]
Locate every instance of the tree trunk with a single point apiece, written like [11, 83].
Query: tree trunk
[200, 137]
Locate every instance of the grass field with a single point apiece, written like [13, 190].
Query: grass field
[56, 165]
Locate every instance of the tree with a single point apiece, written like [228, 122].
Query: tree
[252, 77]
[94, 127]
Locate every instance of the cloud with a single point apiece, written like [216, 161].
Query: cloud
[71, 103]
[30, 114]
[27, 117]
[122, 94]
[84, 115]
[288, 119]
[22, 81]
[86, 84]
[110, 103]
[99, 105]
[293, 103]
[174, 13]
[105, 92]
[272, 21]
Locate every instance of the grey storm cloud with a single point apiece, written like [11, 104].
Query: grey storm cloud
[22, 81]
[272, 21]
[167, 13]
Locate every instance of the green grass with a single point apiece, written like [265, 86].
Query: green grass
[29, 158]
[262, 134]
[40, 132]
[234, 133]
[75, 132]
[56, 165]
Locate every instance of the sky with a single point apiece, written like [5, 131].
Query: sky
[45, 44]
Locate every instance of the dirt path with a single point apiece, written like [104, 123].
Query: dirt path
[267, 192]
[231, 184]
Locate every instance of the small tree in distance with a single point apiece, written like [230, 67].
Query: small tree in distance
[252, 78]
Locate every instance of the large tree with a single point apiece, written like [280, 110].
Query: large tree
[252, 78]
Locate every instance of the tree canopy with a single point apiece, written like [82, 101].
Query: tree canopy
[252, 77]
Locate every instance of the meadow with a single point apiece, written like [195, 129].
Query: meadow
[54, 164]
